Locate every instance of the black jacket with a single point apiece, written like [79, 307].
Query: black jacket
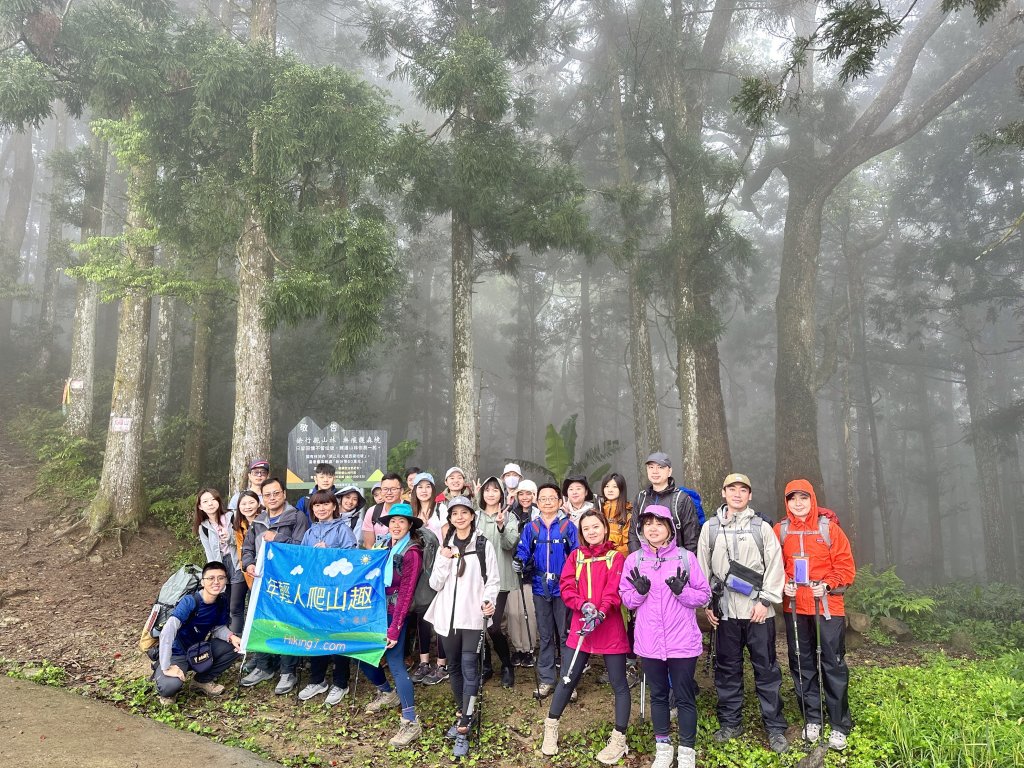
[684, 515]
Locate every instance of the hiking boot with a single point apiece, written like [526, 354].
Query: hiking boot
[256, 677]
[687, 757]
[452, 732]
[508, 677]
[423, 669]
[286, 684]
[461, 744]
[528, 660]
[311, 690]
[166, 701]
[210, 689]
[837, 740]
[664, 755]
[543, 691]
[517, 658]
[384, 699]
[573, 696]
[615, 750]
[812, 731]
[335, 695]
[437, 675]
[728, 733]
[549, 746]
[777, 742]
[632, 675]
[408, 732]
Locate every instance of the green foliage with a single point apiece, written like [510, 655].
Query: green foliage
[25, 93]
[68, 466]
[560, 456]
[43, 673]
[988, 617]
[946, 713]
[885, 594]
[398, 455]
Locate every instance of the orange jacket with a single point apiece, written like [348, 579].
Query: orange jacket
[239, 537]
[832, 565]
[618, 535]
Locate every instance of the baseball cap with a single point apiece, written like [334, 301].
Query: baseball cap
[736, 477]
[660, 458]
[527, 485]
[512, 467]
[259, 463]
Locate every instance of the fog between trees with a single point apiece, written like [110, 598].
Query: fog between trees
[461, 222]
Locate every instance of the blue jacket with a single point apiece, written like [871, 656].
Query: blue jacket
[549, 547]
[334, 533]
[197, 620]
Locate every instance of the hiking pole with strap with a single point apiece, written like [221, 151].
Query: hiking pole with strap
[529, 637]
[471, 708]
[799, 666]
[590, 618]
[821, 682]
[643, 695]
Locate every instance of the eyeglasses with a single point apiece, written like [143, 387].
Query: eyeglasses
[547, 498]
[391, 490]
[215, 579]
[259, 471]
[272, 494]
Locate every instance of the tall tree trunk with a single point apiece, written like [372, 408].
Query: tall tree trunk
[251, 432]
[158, 401]
[119, 502]
[14, 226]
[54, 258]
[199, 388]
[845, 429]
[464, 394]
[588, 367]
[83, 329]
[715, 459]
[933, 479]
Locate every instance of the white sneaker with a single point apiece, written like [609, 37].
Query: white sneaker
[286, 684]
[812, 731]
[311, 690]
[664, 755]
[335, 695]
[837, 741]
[687, 757]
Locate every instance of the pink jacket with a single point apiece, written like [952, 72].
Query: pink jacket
[666, 624]
[598, 583]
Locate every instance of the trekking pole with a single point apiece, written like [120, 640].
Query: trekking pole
[586, 627]
[529, 639]
[471, 708]
[821, 682]
[643, 696]
[799, 668]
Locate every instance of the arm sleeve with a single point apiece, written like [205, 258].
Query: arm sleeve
[568, 587]
[630, 597]
[697, 592]
[367, 528]
[249, 548]
[843, 571]
[493, 584]
[221, 632]
[167, 635]
[689, 524]
[704, 551]
[510, 534]
[440, 572]
[633, 542]
[523, 547]
[774, 572]
[610, 598]
[299, 529]
[412, 560]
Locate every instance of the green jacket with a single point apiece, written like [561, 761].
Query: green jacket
[504, 542]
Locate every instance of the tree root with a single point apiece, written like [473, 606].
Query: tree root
[61, 534]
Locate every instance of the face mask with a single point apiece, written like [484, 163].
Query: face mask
[512, 482]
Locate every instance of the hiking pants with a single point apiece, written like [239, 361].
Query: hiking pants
[318, 670]
[522, 637]
[681, 671]
[239, 591]
[463, 665]
[395, 657]
[551, 630]
[494, 632]
[731, 637]
[424, 633]
[615, 663]
[835, 676]
[223, 657]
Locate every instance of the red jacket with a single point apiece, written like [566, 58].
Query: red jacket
[832, 565]
[598, 584]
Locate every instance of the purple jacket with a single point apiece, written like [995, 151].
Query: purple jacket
[666, 625]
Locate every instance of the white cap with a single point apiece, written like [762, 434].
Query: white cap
[510, 467]
[453, 470]
[527, 485]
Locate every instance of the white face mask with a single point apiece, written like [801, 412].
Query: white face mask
[512, 482]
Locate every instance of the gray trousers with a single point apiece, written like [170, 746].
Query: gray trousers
[551, 629]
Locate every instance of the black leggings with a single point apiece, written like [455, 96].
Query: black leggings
[615, 663]
[681, 672]
[463, 665]
[424, 633]
[239, 591]
[495, 634]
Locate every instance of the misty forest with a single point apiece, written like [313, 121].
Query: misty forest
[776, 238]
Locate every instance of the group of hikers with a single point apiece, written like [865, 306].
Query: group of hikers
[478, 577]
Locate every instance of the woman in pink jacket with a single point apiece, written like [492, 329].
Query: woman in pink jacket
[590, 588]
[665, 586]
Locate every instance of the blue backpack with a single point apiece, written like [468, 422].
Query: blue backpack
[695, 497]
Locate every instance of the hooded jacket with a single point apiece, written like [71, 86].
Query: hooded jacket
[666, 624]
[354, 518]
[598, 583]
[618, 535]
[211, 541]
[833, 565]
[684, 514]
[289, 527]
[459, 598]
[735, 542]
[504, 539]
[333, 533]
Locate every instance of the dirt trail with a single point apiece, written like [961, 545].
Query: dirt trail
[50, 728]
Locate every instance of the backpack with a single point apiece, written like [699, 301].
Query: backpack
[481, 550]
[695, 498]
[715, 528]
[562, 537]
[825, 518]
[581, 561]
[377, 514]
[185, 581]
[424, 595]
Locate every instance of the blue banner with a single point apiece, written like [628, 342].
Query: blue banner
[311, 601]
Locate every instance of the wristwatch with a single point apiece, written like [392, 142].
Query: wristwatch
[765, 602]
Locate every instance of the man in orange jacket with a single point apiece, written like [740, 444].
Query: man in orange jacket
[819, 566]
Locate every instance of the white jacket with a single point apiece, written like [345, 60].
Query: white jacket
[459, 599]
[211, 542]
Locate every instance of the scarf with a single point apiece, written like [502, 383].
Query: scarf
[395, 549]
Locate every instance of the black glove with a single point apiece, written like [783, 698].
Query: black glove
[640, 582]
[677, 582]
[525, 570]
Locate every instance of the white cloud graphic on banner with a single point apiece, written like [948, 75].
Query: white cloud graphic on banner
[297, 570]
[373, 574]
[342, 566]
